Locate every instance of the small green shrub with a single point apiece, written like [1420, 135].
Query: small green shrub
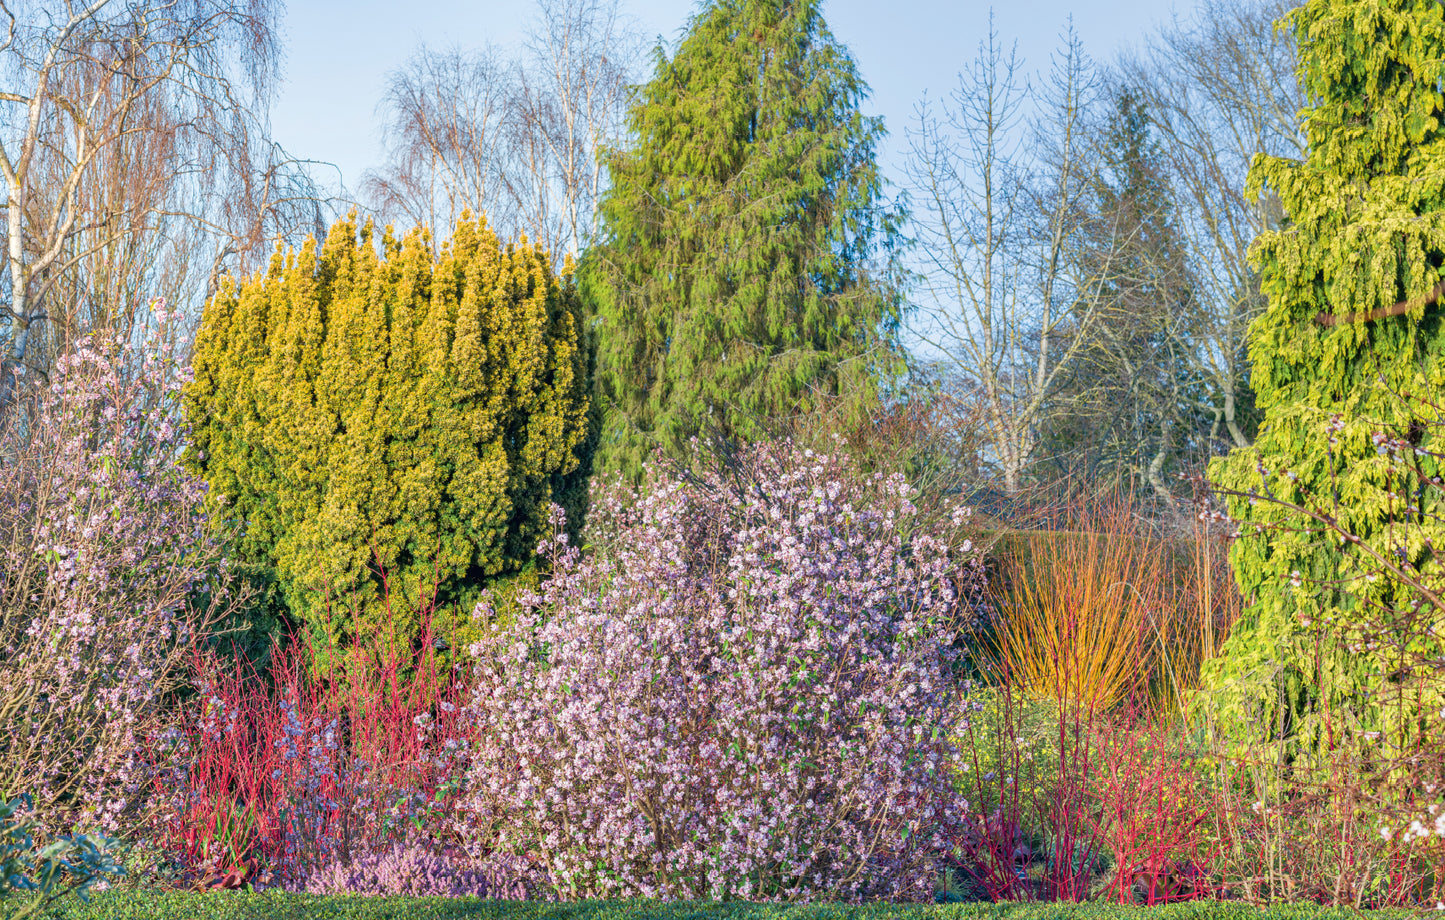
[33, 878]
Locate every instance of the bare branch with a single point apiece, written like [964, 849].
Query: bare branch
[1329, 320]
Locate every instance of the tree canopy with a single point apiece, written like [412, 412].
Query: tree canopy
[741, 269]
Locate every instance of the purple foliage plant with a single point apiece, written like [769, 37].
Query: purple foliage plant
[412, 868]
[747, 692]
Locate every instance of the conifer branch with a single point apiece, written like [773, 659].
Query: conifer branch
[1398, 309]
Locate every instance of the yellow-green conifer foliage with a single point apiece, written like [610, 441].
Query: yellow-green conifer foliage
[394, 408]
[1348, 357]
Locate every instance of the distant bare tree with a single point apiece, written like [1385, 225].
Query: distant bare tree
[448, 121]
[1219, 88]
[1124, 413]
[1000, 215]
[583, 55]
[135, 162]
[514, 139]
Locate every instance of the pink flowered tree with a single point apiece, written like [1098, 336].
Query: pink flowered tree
[747, 692]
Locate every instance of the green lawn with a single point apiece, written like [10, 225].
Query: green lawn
[227, 905]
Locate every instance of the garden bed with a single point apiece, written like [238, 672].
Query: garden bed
[144, 905]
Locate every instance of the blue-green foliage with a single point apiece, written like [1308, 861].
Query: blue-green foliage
[34, 878]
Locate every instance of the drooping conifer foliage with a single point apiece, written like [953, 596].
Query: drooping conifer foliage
[733, 274]
[393, 409]
[1347, 358]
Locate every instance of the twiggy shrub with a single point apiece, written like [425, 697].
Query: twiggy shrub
[1076, 607]
[274, 777]
[1008, 771]
[748, 696]
[1150, 811]
[103, 544]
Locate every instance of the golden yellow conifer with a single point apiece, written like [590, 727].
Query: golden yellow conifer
[390, 408]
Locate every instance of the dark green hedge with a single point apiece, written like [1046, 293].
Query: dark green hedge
[226, 905]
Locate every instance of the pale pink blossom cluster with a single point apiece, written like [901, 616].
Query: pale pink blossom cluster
[747, 693]
[1429, 820]
[103, 543]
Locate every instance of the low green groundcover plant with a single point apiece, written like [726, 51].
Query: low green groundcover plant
[33, 877]
[149, 905]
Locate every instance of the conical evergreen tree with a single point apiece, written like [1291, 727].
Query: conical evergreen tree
[393, 410]
[732, 279]
[1350, 349]
[1123, 408]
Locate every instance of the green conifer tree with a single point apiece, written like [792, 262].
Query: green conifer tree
[736, 275]
[365, 410]
[1125, 407]
[1350, 348]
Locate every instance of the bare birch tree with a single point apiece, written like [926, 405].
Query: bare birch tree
[134, 161]
[583, 55]
[448, 117]
[514, 139]
[1009, 306]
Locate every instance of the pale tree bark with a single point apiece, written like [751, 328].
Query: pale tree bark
[998, 212]
[135, 164]
[584, 54]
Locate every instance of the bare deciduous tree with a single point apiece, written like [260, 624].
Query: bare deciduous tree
[573, 93]
[1000, 216]
[135, 162]
[1219, 89]
[446, 133]
[516, 140]
[1124, 412]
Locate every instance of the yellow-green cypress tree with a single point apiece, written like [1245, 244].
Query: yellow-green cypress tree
[385, 407]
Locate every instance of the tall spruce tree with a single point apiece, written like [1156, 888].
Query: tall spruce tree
[734, 275]
[1346, 359]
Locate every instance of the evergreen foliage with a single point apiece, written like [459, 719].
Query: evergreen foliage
[1130, 398]
[1353, 325]
[401, 411]
[732, 279]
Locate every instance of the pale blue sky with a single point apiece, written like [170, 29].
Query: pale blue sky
[339, 53]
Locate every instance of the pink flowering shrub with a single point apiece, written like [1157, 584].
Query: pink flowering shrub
[746, 693]
[416, 870]
[102, 545]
